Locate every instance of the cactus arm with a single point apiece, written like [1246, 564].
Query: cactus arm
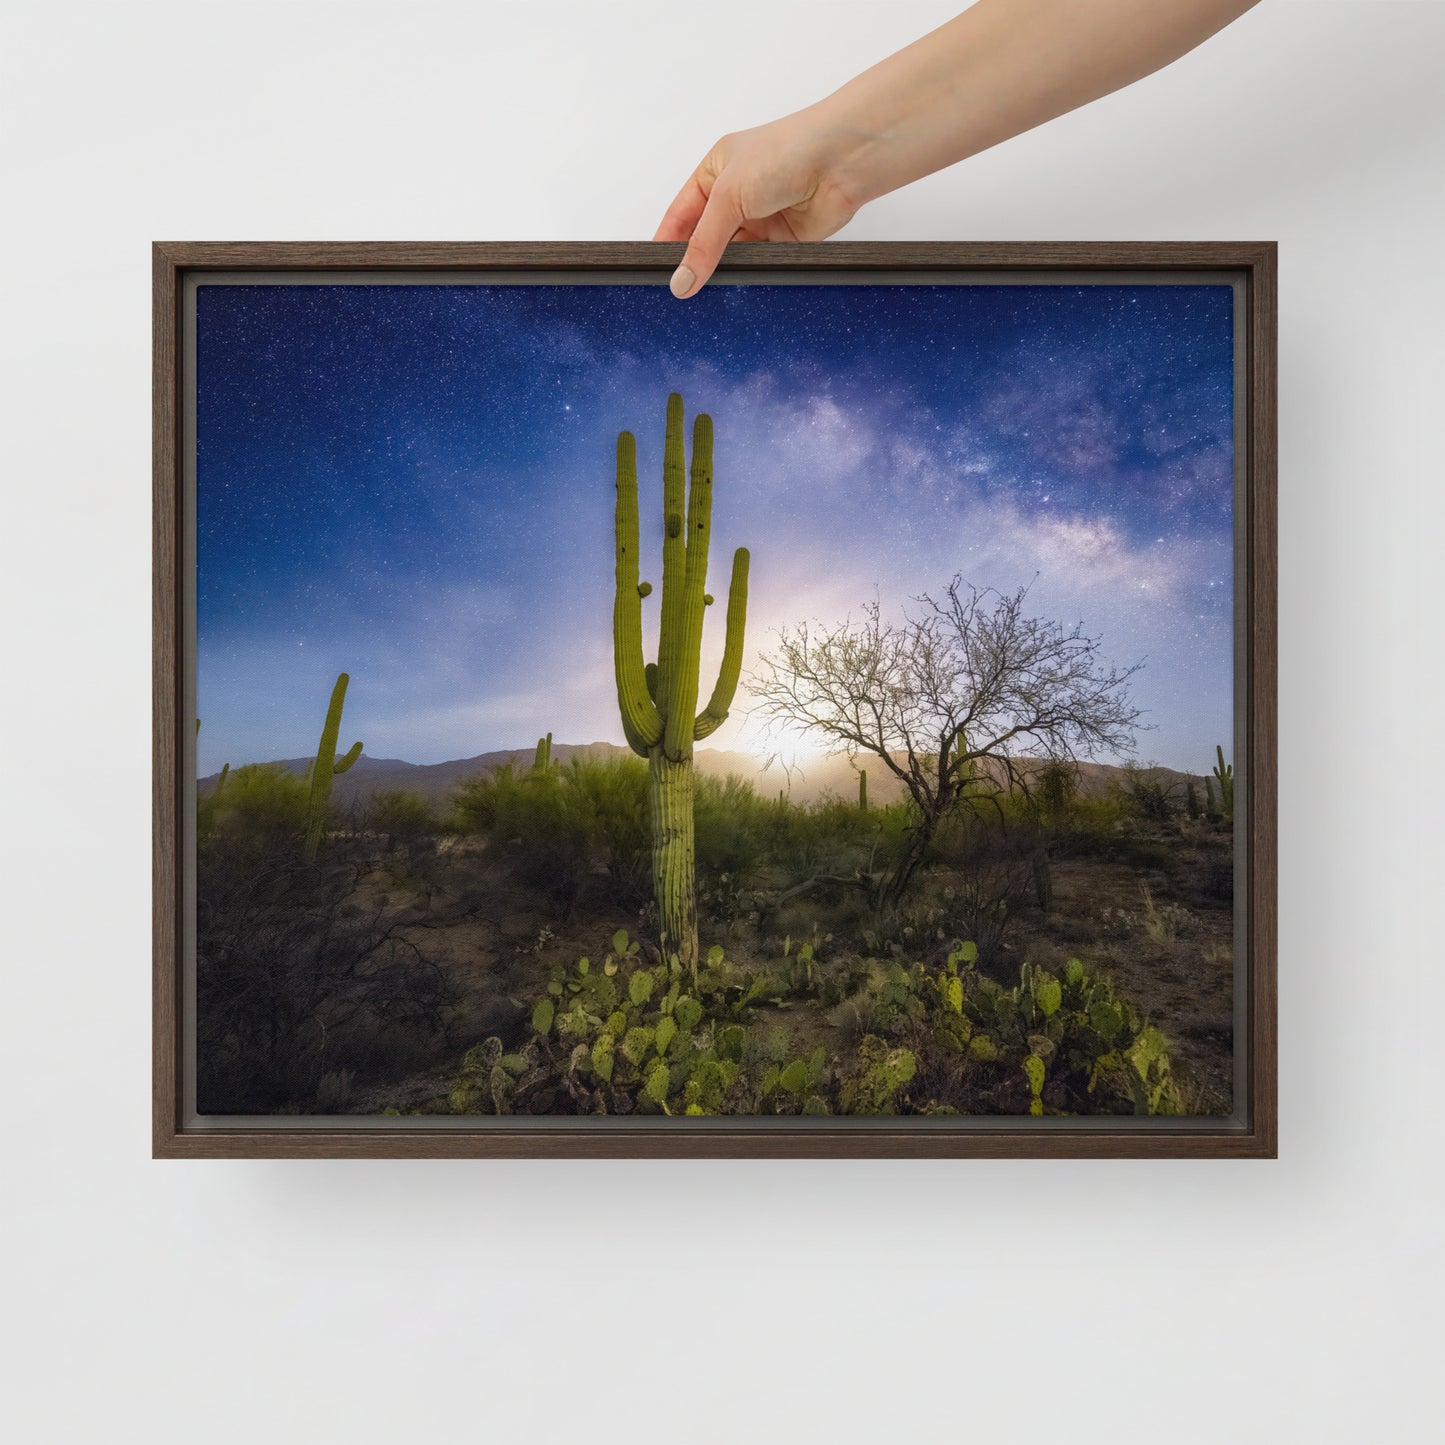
[679, 684]
[641, 723]
[674, 554]
[716, 711]
[650, 673]
[342, 764]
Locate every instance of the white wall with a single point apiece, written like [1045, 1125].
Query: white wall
[1295, 1301]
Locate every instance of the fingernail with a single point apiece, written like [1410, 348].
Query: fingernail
[683, 280]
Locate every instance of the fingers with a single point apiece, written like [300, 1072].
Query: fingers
[721, 217]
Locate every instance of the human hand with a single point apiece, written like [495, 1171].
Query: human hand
[776, 182]
[1000, 68]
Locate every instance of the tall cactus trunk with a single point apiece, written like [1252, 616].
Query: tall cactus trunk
[671, 786]
[327, 766]
[863, 789]
[658, 701]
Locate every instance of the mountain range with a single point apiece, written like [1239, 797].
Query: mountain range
[821, 777]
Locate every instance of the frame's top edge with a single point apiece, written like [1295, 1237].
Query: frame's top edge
[601, 255]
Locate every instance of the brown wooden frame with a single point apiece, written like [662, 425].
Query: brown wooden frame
[1252, 1137]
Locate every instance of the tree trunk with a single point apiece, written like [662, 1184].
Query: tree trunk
[670, 799]
[919, 839]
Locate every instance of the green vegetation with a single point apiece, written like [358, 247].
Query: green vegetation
[1224, 778]
[565, 828]
[300, 974]
[636, 1034]
[330, 985]
[1093, 901]
[658, 700]
[263, 806]
[326, 765]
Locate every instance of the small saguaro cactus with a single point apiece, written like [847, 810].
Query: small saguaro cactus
[543, 759]
[1224, 776]
[863, 789]
[327, 764]
[658, 701]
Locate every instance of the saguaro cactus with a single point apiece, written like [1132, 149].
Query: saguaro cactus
[658, 701]
[543, 758]
[1224, 776]
[327, 764]
[863, 789]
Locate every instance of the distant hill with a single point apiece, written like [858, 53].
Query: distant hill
[820, 778]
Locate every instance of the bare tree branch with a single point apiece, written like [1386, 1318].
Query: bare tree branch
[950, 698]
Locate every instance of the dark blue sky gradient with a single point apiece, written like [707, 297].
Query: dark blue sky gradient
[414, 484]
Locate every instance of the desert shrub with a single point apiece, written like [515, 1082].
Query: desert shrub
[605, 803]
[733, 829]
[999, 869]
[403, 818]
[262, 806]
[295, 967]
[1152, 795]
[562, 825]
[1055, 790]
[1162, 923]
[1097, 817]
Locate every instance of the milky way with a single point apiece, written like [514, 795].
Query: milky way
[413, 484]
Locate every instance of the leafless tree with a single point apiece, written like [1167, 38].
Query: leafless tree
[950, 700]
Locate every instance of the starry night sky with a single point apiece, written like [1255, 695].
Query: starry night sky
[415, 484]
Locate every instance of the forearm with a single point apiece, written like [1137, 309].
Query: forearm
[997, 70]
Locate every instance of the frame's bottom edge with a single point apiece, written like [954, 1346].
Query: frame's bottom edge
[216, 1144]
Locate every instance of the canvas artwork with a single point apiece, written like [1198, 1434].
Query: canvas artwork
[809, 700]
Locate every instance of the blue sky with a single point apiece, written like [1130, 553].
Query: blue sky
[414, 484]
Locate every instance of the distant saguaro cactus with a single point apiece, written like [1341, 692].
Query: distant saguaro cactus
[327, 764]
[543, 759]
[658, 701]
[1224, 776]
[863, 789]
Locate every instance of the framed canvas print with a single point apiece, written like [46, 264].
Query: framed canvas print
[830, 716]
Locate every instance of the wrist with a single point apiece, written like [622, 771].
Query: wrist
[847, 152]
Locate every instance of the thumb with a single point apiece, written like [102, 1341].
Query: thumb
[718, 224]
